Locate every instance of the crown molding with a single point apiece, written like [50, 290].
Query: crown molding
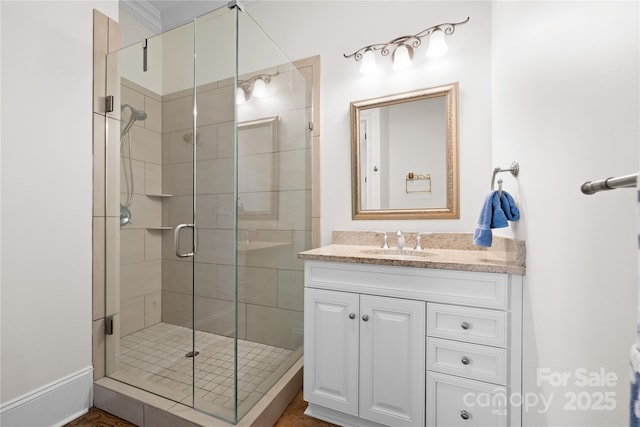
[144, 12]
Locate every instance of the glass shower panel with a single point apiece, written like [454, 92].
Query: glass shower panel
[262, 178]
[152, 295]
[215, 309]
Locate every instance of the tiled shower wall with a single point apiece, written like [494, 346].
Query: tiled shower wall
[270, 278]
[141, 240]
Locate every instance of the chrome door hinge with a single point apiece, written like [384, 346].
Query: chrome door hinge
[108, 325]
[108, 104]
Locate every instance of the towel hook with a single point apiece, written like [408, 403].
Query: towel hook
[514, 169]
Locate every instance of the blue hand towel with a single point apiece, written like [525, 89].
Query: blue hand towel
[509, 207]
[483, 236]
[496, 210]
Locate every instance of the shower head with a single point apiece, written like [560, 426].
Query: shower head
[136, 115]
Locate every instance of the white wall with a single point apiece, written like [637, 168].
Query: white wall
[553, 85]
[300, 29]
[133, 31]
[129, 58]
[47, 65]
[565, 105]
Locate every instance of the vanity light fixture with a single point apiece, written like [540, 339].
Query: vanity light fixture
[437, 46]
[368, 62]
[401, 48]
[255, 86]
[402, 57]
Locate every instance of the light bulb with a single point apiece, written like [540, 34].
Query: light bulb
[402, 57]
[240, 96]
[368, 62]
[437, 45]
[259, 88]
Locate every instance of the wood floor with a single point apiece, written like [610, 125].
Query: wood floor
[98, 418]
[293, 416]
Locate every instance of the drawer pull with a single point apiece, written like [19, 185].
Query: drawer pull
[465, 360]
[464, 415]
[365, 317]
[465, 325]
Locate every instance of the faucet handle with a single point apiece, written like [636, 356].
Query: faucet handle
[419, 241]
[401, 239]
[385, 243]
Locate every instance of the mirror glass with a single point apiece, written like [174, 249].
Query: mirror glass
[405, 155]
[258, 169]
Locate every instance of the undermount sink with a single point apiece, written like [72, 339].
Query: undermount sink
[398, 253]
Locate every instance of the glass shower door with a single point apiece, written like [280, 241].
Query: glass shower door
[150, 185]
[253, 197]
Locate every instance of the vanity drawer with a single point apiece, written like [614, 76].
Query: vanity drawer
[473, 325]
[455, 402]
[467, 360]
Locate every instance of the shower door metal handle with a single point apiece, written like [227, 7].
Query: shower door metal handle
[176, 240]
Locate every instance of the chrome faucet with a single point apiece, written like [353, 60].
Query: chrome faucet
[400, 239]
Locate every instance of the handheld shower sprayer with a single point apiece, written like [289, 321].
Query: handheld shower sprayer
[136, 115]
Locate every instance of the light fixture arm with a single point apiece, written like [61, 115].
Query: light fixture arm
[247, 85]
[414, 41]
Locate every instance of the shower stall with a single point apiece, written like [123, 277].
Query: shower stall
[213, 129]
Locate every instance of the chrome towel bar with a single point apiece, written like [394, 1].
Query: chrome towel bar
[625, 181]
[514, 169]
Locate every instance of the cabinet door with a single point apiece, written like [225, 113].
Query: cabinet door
[331, 349]
[392, 361]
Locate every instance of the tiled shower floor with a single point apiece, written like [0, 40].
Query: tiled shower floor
[154, 359]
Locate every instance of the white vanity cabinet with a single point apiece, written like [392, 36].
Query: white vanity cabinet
[365, 356]
[404, 346]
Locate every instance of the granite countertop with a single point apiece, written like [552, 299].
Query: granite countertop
[449, 251]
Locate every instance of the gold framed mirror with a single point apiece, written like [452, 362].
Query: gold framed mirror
[404, 155]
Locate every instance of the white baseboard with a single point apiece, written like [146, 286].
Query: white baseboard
[54, 404]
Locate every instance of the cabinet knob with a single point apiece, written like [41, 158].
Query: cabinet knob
[365, 317]
[465, 325]
[352, 315]
[465, 360]
[464, 415]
